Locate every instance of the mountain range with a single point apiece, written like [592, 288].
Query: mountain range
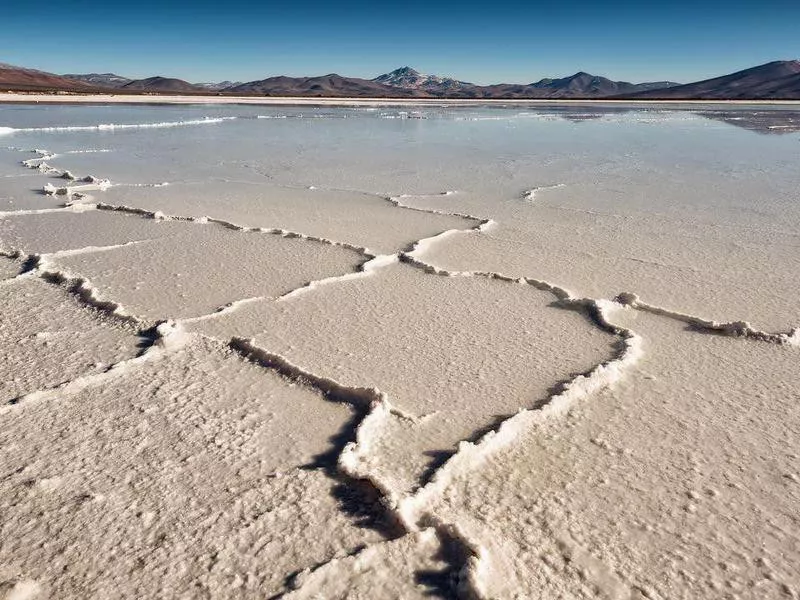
[575, 86]
[165, 84]
[774, 80]
[325, 85]
[150, 84]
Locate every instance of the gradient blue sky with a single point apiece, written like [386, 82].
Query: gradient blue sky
[490, 42]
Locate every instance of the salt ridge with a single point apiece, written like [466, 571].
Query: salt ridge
[531, 193]
[730, 328]
[115, 126]
[168, 338]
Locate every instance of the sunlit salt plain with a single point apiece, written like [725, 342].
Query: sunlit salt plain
[462, 352]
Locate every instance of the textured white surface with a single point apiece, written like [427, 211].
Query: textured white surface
[347, 356]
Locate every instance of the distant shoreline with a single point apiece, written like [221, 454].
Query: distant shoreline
[39, 98]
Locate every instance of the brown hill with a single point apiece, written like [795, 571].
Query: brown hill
[774, 80]
[20, 79]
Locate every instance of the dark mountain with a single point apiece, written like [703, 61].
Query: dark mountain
[580, 85]
[408, 79]
[323, 86]
[18, 78]
[775, 80]
[654, 85]
[160, 84]
[217, 87]
[110, 80]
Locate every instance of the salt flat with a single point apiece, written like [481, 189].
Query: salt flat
[209, 267]
[368, 221]
[445, 364]
[680, 482]
[48, 338]
[9, 268]
[717, 272]
[497, 351]
[148, 484]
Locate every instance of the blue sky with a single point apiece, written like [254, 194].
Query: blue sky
[490, 42]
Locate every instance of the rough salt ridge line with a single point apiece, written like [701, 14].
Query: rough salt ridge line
[80, 286]
[397, 201]
[372, 404]
[415, 511]
[730, 328]
[72, 208]
[361, 557]
[77, 190]
[352, 462]
[168, 338]
[89, 182]
[205, 220]
[117, 126]
[380, 261]
[376, 409]
[42, 155]
[411, 511]
[425, 243]
[94, 183]
[373, 262]
[531, 193]
[365, 269]
[227, 309]
[24, 272]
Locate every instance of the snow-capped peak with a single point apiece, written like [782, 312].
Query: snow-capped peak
[411, 79]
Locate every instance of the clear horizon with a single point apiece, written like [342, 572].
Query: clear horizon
[512, 43]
